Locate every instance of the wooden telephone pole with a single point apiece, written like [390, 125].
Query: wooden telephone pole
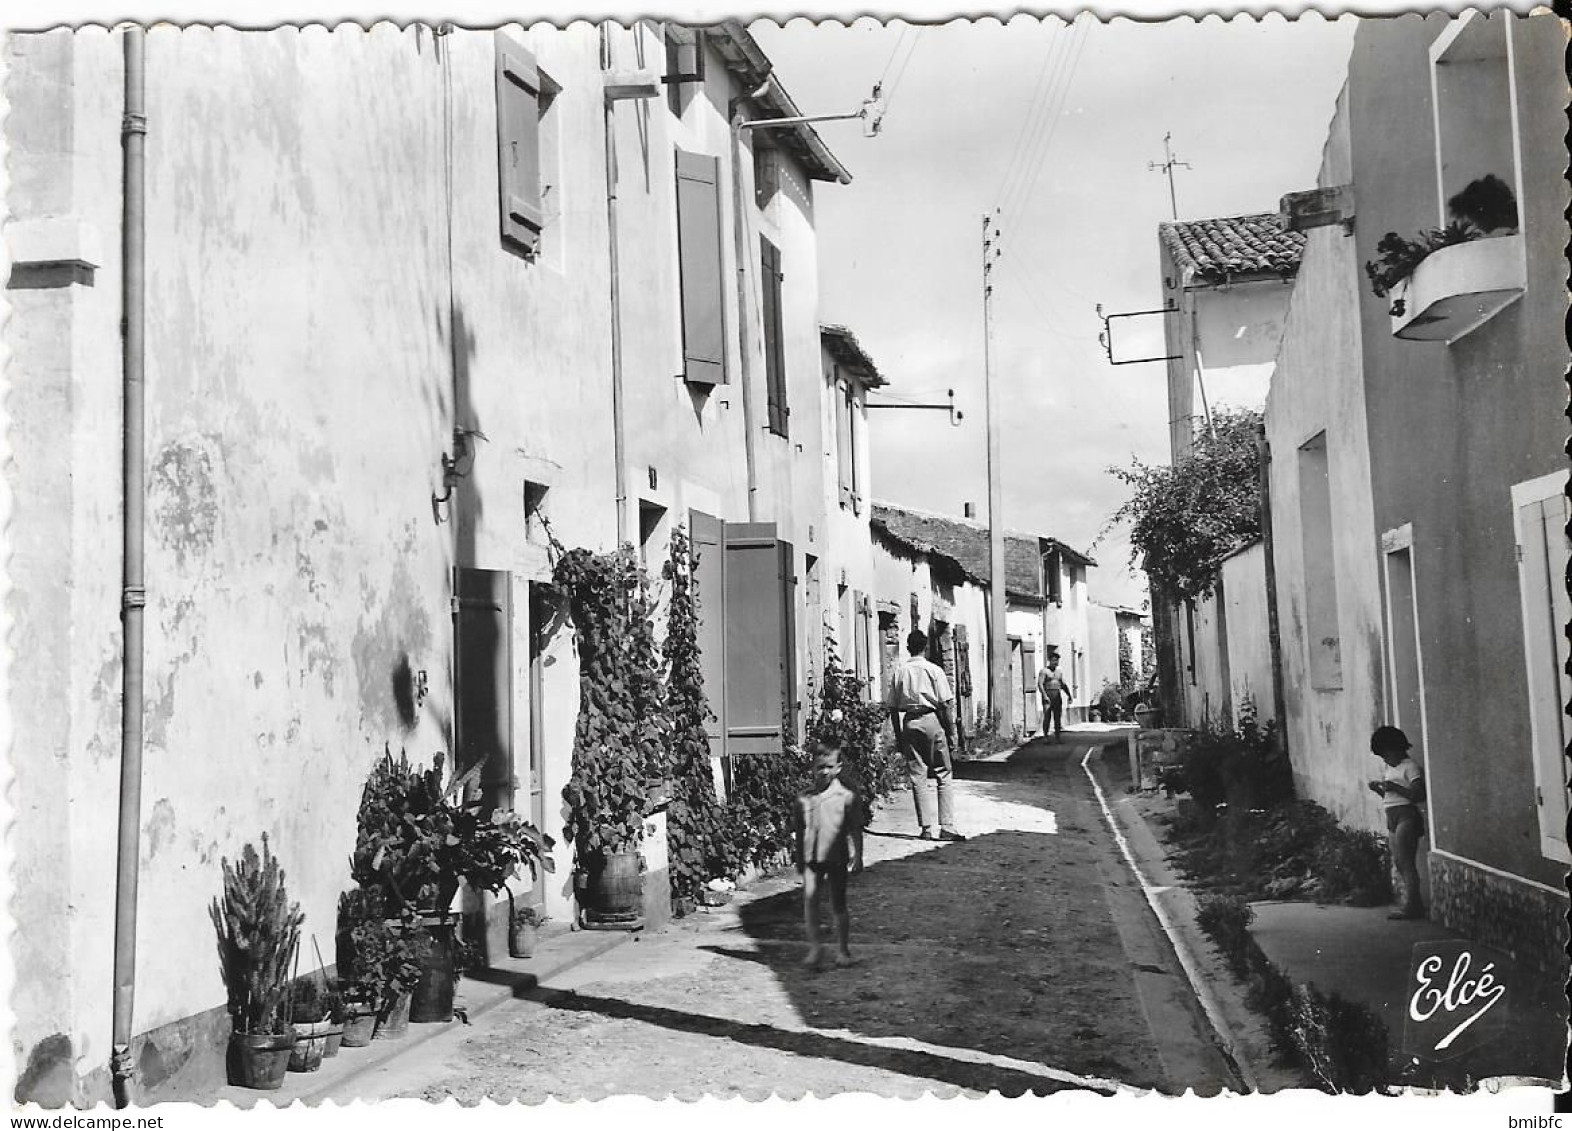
[998, 637]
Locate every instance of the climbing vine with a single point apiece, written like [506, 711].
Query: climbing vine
[696, 825]
[1185, 518]
[844, 717]
[620, 739]
[759, 804]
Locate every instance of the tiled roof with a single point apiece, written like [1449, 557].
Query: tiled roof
[1214, 251]
[848, 352]
[965, 545]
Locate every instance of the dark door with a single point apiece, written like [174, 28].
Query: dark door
[483, 679]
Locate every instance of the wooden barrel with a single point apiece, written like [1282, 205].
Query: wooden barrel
[431, 999]
[613, 893]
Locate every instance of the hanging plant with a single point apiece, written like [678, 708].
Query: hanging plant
[697, 844]
[1482, 208]
[619, 741]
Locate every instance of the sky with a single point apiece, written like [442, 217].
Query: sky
[1054, 125]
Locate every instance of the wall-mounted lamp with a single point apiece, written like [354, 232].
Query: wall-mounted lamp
[454, 468]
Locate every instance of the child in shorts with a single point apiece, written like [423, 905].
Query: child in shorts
[1401, 788]
[827, 824]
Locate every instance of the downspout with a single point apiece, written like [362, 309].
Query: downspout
[619, 454]
[133, 137]
[739, 239]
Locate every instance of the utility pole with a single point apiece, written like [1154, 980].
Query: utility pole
[998, 638]
[1166, 165]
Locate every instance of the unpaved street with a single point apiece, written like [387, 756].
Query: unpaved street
[1022, 960]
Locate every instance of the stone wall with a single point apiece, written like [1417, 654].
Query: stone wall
[1527, 922]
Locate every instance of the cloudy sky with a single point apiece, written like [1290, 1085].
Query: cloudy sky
[1054, 124]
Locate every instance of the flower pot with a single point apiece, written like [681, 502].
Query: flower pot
[310, 1045]
[431, 999]
[521, 939]
[334, 1040]
[612, 896]
[362, 1023]
[259, 1060]
[393, 1021]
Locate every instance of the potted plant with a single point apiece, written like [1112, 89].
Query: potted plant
[337, 1012]
[310, 1020]
[258, 929]
[523, 923]
[381, 957]
[620, 739]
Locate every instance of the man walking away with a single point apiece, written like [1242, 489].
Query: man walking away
[1053, 685]
[919, 703]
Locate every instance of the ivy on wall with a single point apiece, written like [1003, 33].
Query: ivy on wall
[696, 823]
[621, 736]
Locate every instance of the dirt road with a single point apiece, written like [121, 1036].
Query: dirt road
[1017, 961]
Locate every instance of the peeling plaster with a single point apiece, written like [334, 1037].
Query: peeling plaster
[183, 498]
[160, 828]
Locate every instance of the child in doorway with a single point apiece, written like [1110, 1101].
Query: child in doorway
[1401, 788]
[827, 824]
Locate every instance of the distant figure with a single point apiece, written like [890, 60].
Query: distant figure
[1401, 788]
[827, 827]
[1053, 685]
[919, 704]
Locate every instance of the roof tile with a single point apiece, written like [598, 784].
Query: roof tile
[965, 545]
[1214, 251]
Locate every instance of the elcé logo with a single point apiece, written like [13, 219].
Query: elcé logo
[1457, 997]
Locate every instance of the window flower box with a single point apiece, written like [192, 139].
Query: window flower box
[1457, 288]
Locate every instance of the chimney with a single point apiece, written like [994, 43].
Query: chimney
[969, 510]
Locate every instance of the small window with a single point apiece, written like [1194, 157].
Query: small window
[774, 338]
[766, 172]
[535, 517]
[652, 530]
[526, 162]
[1054, 587]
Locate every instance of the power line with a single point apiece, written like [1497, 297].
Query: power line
[1025, 187]
[1037, 147]
[889, 95]
[1037, 108]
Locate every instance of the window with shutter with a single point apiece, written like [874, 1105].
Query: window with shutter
[860, 635]
[483, 679]
[710, 596]
[1541, 514]
[760, 645]
[842, 439]
[774, 339]
[519, 94]
[853, 486]
[699, 260]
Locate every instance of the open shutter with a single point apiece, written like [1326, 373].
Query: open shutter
[843, 444]
[963, 663]
[483, 678]
[1542, 564]
[518, 143]
[761, 638]
[709, 581]
[1029, 704]
[774, 347]
[703, 277]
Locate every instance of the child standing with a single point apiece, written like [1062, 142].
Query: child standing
[1401, 788]
[827, 823]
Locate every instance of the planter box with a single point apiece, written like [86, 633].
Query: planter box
[1456, 289]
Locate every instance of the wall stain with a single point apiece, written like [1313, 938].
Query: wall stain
[183, 497]
[160, 827]
[316, 654]
[104, 742]
[47, 1079]
[400, 631]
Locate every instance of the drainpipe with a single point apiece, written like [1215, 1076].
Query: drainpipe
[133, 135]
[619, 453]
[740, 241]
[1273, 628]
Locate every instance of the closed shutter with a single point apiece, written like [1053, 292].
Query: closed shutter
[483, 679]
[860, 634]
[963, 663]
[774, 347]
[760, 639]
[843, 453]
[518, 143]
[1542, 564]
[710, 599]
[703, 277]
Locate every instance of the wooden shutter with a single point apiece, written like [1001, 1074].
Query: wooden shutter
[1542, 564]
[760, 638]
[843, 452]
[860, 634]
[709, 580]
[518, 143]
[963, 663]
[483, 678]
[774, 346]
[703, 277]
[1030, 705]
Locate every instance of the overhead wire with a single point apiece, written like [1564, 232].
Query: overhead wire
[1034, 107]
[889, 92]
[1049, 124]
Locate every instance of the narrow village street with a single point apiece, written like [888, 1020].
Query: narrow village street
[1022, 960]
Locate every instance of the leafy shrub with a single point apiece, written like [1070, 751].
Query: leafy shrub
[1110, 700]
[758, 807]
[1352, 865]
[1226, 920]
[843, 716]
[380, 958]
[1185, 518]
[1244, 767]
